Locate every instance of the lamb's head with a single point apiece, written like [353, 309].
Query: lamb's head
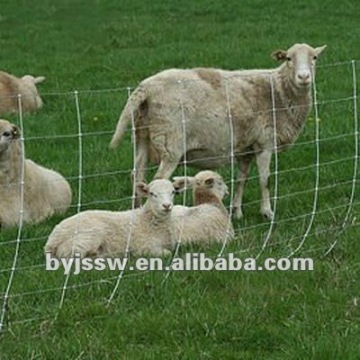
[8, 133]
[206, 181]
[28, 85]
[300, 62]
[160, 196]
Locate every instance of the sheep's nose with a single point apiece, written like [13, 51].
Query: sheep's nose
[167, 207]
[304, 76]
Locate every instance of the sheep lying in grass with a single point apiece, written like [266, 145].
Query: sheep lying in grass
[208, 220]
[11, 87]
[208, 101]
[96, 233]
[45, 191]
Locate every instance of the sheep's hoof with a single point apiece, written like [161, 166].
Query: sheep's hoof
[237, 212]
[267, 214]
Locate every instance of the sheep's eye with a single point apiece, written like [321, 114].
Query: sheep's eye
[288, 58]
[173, 192]
[6, 133]
[315, 57]
[152, 194]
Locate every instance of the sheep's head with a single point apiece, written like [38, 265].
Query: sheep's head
[29, 79]
[300, 60]
[8, 133]
[204, 181]
[29, 86]
[160, 194]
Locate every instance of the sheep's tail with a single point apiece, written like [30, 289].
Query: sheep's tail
[133, 108]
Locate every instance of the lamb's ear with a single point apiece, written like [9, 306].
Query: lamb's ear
[319, 50]
[279, 55]
[15, 132]
[209, 182]
[182, 182]
[142, 189]
[39, 79]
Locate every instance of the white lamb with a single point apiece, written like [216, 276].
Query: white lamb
[208, 220]
[45, 191]
[11, 87]
[99, 233]
[209, 100]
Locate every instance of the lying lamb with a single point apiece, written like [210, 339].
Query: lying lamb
[208, 221]
[95, 233]
[209, 100]
[11, 87]
[45, 191]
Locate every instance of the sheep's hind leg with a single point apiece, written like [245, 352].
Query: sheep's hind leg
[263, 160]
[244, 164]
[138, 174]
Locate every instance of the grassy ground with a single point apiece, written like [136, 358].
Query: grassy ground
[95, 45]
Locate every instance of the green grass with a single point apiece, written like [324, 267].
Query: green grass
[96, 45]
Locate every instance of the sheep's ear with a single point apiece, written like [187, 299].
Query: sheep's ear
[319, 50]
[210, 181]
[39, 79]
[15, 132]
[279, 55]
[142, 189]
[180, 182]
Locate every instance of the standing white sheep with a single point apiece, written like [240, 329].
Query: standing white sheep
[207, 101]
[208, 220]
[11, 87]
[97, 233]
[44, 191]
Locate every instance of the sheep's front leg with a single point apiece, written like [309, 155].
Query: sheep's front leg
[166, 169]
[169, 154]
[244, 164]
[263, 160]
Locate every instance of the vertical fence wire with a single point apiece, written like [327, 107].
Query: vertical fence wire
[133, 198]
[80, 182]
[183, 129]
[276, 171]
[6, 307]
[317, 170]
[232, 158]
[356, 160]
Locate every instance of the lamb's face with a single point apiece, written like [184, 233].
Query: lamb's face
[204, 181]
[300, 61]
[29, 82]
[8, 133]
[160, 194]
[211, 181]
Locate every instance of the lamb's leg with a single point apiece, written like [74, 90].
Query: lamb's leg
[141, 161]
[263, 160]
[244, 164]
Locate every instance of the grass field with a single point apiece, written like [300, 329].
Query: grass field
[92, 46]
